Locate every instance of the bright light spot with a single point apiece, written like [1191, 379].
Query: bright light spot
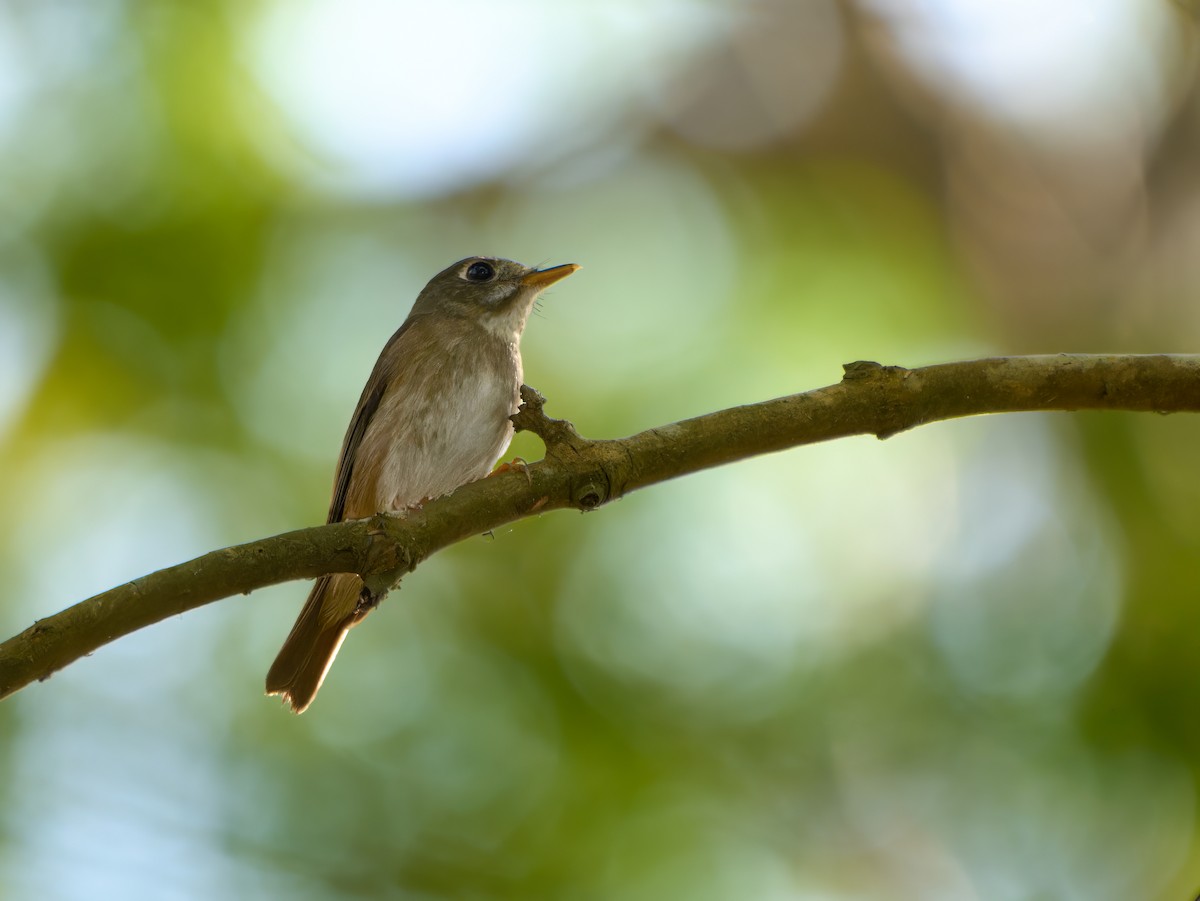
[1075, 71]
[654, 230]
[15, 81]
[1028, 599]
[295, 361]
[422, 99]
[28, 330]
[142, 510]
[780, 565]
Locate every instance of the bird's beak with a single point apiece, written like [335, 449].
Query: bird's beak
[544, 278]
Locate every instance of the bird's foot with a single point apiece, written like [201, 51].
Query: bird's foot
[518, 464]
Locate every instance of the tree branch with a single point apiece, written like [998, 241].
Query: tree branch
[584, 474]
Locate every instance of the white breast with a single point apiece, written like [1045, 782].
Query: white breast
[446, 429]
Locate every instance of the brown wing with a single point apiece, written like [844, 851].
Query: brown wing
[381, 375]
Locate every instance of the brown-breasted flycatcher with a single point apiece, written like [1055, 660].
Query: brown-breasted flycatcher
[434, 415]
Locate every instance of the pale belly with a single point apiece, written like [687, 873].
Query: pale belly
[437, 446]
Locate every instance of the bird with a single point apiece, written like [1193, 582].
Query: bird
[434, 415]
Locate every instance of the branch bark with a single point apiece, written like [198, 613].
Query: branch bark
[585, 474]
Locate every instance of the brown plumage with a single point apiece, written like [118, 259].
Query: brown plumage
[433, 416]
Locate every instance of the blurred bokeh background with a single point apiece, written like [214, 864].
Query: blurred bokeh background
[960, 664]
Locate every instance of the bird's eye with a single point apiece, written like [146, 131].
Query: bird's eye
[480, 271]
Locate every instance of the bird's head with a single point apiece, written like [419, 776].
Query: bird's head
[497, 293]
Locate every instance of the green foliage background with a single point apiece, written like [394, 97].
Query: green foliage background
[958, 664]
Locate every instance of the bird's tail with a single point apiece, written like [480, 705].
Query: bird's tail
[308, 652]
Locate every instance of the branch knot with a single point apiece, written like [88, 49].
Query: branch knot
[869, 369]
[555, 433]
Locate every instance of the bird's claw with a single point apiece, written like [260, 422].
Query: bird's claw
[518, 464]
